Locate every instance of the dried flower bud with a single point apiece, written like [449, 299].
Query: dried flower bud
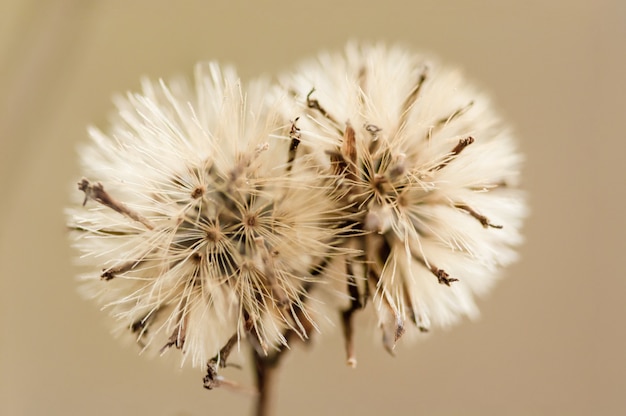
[426, 173]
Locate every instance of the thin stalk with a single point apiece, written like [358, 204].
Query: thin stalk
[266, 380]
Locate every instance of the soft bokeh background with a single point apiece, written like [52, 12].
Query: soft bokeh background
[551, 339]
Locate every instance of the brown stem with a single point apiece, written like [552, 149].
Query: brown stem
[212, 380]
[348, 314]
[96, 192]
[442, 276]
[295, 136]
[266, 380]
[463, 143]
[315, 105]
[483, 220]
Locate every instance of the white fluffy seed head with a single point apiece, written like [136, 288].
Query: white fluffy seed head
[425, 169]
[214, 209]
[200, 225]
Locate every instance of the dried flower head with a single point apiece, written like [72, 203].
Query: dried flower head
[204, 228]
[214, 211]
[426, 174]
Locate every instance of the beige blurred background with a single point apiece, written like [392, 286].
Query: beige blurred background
[551, 339]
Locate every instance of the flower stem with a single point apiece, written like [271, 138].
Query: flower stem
[266, 379]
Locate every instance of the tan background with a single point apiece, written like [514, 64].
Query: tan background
[551, 339]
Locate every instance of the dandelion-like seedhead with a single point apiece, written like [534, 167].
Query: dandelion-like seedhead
[204, 229]
[426, 173]
[216, 212]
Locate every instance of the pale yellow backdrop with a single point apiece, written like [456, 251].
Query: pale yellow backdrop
[551, 339]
